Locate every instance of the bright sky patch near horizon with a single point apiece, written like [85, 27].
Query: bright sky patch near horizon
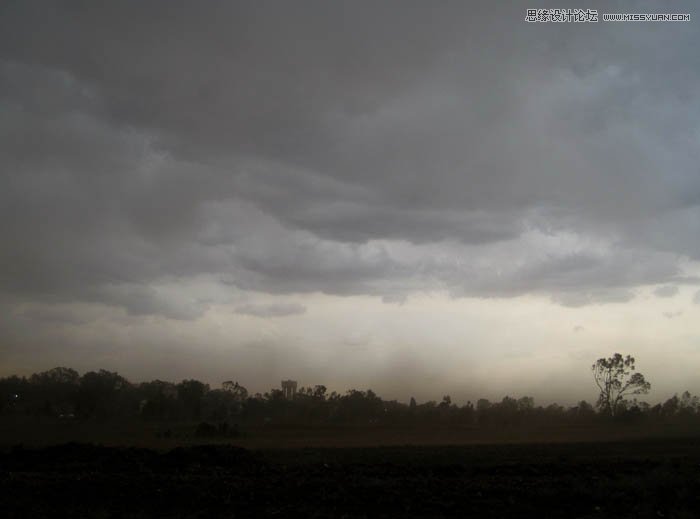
[419, 199]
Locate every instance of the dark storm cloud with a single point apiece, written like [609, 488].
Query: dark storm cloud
[354, 148]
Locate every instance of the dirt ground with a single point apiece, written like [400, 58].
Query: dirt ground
[649, 478]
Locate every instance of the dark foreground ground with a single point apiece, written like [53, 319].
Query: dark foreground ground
[651, 478]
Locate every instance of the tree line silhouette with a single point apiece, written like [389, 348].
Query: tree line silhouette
[64, 394]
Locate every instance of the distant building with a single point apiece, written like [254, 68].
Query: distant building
[289, 388]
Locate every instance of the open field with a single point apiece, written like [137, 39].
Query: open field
[44, 432]
[643, 478]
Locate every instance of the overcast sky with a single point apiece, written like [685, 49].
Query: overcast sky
[419, 197]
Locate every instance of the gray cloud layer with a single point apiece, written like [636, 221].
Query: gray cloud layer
[271, 310]
[666, 291]
[355, 148]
